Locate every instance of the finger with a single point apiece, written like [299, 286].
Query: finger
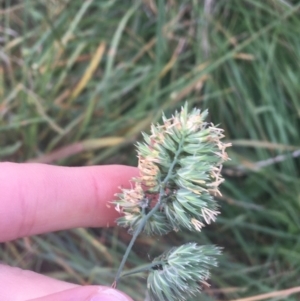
[20, 285]
[88, 293]
[38, 198]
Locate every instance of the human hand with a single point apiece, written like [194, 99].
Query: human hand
[37, 198]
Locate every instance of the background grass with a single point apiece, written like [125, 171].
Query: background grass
[81, 79]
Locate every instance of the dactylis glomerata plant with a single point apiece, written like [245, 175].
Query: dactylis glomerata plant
[180, 172]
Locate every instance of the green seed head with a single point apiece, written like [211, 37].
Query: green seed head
[187, 200]
[180, 272]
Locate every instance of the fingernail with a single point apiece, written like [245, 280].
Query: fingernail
[108, 294]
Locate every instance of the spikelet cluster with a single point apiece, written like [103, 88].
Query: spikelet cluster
[179, 273]
[180, 166]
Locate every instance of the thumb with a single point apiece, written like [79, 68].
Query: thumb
[86, 293]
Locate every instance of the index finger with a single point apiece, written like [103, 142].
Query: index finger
[39, 198]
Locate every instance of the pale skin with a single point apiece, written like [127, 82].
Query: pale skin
[38, 198]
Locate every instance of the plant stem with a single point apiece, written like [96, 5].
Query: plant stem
[142, 268]
[147, 216]
[134, 236]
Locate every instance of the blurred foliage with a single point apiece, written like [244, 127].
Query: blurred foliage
[81, 79]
